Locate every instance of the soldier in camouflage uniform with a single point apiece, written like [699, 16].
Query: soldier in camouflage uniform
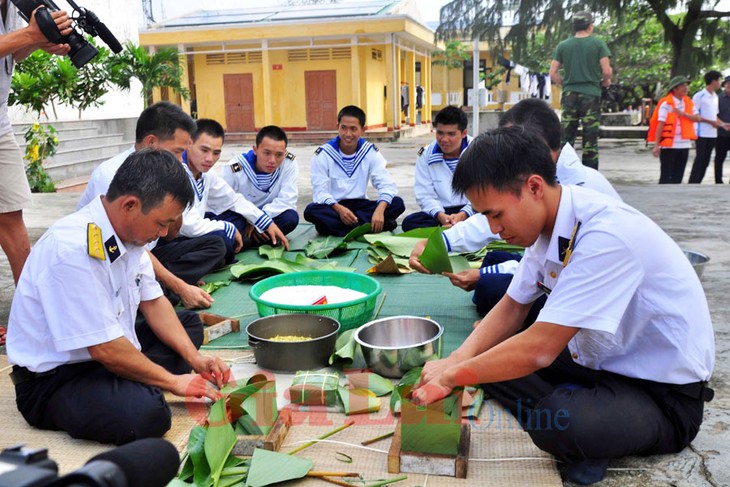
[585, 62]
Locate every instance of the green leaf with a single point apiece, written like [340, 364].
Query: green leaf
[435, 257]
[370, 381]
[178, 483]
[187, 470]
[261, 406]
[357, 232]
[211, 287]
[219, 439]
[358, 401]
[459, 263]
[322, 247]
[420, 233]
[245, 425]
[272, 252]
[268, 467]
[403, 387]
[344, 347]
[433, 429]
[249, 271]
[196, 450]
[400, 246]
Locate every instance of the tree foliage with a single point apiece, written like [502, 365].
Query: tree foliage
[452, 56]
[161, 69]
[692, 32]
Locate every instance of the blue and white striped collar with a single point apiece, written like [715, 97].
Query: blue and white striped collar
[348, 164]
[263, 181]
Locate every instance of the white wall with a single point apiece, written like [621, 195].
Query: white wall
[122, 17]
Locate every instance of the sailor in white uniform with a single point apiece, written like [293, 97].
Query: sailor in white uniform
[340, 172]
[434, 168]
[267, 177]
[618, 360]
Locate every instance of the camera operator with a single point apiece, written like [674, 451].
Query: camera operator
[79, 364]
[15, 45]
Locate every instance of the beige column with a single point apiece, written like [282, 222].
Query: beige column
[392, 103]
[427, 110]
[411, 81]
[185, 78]
[355, 67]
[266, 80]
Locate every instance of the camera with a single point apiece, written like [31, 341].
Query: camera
[151, 462]
[81, 50]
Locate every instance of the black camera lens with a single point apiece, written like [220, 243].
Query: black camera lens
[81, 50]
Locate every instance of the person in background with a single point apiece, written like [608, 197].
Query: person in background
[723, 133]
[585, 60]
[672, 131]
[434, 167]
[267, 177]
[340, 172]
[706, 105]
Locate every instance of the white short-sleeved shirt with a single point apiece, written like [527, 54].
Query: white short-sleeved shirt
[707, 105]
[627, 286]
[102, 177]
[679, 141]
[474, 233]
[67, 300]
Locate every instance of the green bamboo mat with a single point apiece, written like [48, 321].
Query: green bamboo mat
[409, 294]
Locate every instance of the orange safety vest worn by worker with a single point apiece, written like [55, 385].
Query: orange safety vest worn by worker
[670, 125]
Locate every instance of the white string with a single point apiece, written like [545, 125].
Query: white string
[337, 443]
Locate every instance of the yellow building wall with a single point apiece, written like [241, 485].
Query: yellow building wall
[373, 84]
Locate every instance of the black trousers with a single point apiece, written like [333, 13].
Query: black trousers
[421, 219]
[89, 402]
[191, 258]
[704, 146]
[672, 163]
[721, 148]
[327, 221]
[577, 414]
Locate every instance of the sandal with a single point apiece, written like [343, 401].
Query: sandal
[3, 332]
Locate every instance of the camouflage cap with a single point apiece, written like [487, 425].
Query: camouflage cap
[676, 81]
[582, 17]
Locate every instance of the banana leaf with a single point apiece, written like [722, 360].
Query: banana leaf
[420, 233]
[391, 265]
[272, 252]
[245, 425]
[196, 451]
[344, 348]
[323, 247]
[250, 271]
[408, 380]
[219, 439]
[357, 232]
[432, 429]
[261, 406]
[358, 401]
[400, 246]
[436, 258]
[371, 381]
[211, 287]
[268, 467]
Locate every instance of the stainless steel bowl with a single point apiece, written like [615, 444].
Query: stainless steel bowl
[393, 346]
[697, 260]
[280, 356]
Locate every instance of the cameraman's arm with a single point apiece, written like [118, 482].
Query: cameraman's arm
[22, 42]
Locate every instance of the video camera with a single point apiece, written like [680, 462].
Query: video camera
[81, 50]
[152, 462]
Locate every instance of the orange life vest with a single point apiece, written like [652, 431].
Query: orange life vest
[670, 125]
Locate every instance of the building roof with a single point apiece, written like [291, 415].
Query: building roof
[251, 15]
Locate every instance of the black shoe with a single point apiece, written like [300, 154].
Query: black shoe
[585, 472]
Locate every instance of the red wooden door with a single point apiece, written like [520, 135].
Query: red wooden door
[238, 95]
[321, 92]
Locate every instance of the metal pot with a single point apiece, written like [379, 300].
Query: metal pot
[392, 346]
[280, 356]
[697, 260]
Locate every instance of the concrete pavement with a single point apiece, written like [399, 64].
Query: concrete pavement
[695, 216]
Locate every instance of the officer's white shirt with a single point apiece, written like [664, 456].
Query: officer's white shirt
[707, 105]
[474, 233]
[281, 196]
[216, 196]
[67, 300]
[627, 286]
[432, 183]
[102, 177]
[332, 183]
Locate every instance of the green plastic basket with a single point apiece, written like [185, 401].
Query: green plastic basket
[350, 314]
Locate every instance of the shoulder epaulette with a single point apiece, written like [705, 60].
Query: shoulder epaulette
[236, 167]
[94, 242]
[290, 156]
[420, 151]
[319, 149]
[376, 148]
[112, 248]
